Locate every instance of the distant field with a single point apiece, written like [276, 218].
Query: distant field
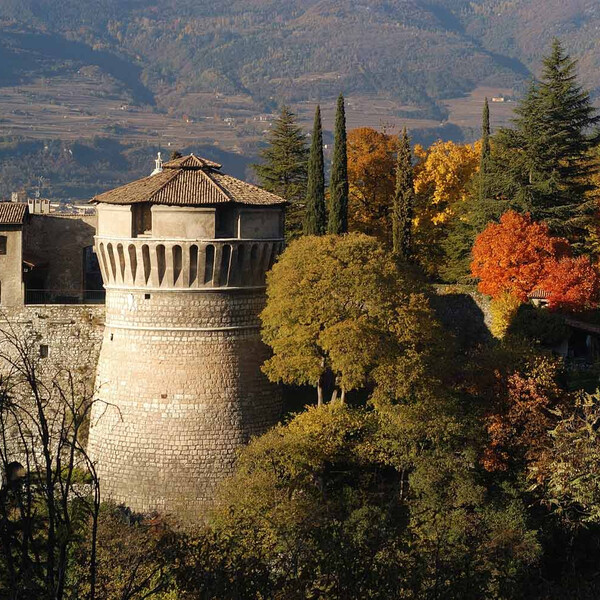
[81, 107]
[466, 112]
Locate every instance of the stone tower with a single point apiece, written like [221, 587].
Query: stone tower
[183, 255]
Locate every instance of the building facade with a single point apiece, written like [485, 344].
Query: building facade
[183, 255]
[12, 287]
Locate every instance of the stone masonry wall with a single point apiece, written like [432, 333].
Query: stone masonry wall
[181, 391]
[63, 341]
[71, 333]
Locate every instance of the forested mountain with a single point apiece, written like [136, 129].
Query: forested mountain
[67, 67]
[416, 51]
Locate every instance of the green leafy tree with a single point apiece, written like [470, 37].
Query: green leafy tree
[543, 161]
[315, 219]
[404, 200]
[340, 305]
[346, 503]
[283, 170]
[338, 186]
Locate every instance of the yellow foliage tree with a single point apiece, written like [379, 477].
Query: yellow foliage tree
[442, 177]
[504, 308]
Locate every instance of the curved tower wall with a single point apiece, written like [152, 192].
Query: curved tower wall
[179, 374]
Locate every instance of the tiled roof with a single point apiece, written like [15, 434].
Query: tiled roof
[190, 181]
[12, 213]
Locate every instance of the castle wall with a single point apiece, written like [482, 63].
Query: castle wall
[63, 342]
[260, 224]
[180, 375]
[71, 335]
[115, 220]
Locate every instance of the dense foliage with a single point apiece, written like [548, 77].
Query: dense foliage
[340, 308]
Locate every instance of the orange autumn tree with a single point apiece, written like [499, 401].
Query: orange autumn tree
[526, 405]
[371, 178]
[515, 256]
[572, 284]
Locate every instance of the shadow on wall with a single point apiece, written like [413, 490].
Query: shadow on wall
[460, 314]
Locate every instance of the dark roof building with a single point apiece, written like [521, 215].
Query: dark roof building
[189, 181]
[12, 213]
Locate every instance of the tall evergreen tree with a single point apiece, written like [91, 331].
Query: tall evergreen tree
[338, 186]
[486, 150]
[404, 200]
[544, 160]
[315, 218]
[283, 170]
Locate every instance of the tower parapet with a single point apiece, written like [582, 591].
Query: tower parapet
[183, 264]
[183, 255]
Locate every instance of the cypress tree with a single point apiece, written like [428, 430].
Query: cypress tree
[544, 159]
[338, 186]
[283, 167]
[404, 200]
[484, 159]
[315, 218]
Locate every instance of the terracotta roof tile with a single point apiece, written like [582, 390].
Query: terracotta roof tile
[12, 213]
[244, 193]
[189, 181]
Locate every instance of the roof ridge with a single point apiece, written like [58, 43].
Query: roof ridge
[217, 186]
[191, 161]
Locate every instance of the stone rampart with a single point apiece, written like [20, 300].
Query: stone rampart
[61, 344]
[62, 335]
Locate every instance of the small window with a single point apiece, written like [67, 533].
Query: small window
[3, 240]
[147, 296]
[44, 351]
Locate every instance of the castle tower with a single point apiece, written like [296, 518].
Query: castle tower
[183, 255]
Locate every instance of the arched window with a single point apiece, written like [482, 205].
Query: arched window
[177, 263]
[209, 264]
[146, 261]
[225, 264]
[193, 264]
[113, 264]
[121, 254]
[133, 261]
[161, 262]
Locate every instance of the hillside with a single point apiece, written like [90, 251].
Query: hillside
[208, 69]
